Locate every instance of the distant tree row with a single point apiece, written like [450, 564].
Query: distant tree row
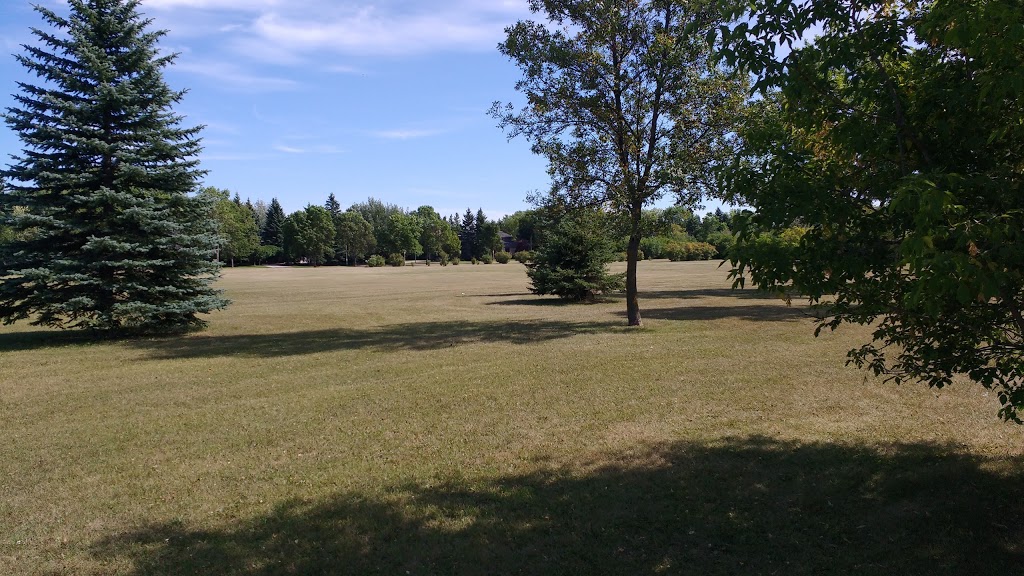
[259, 232]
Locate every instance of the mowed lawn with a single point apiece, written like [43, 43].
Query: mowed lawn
[442, 420]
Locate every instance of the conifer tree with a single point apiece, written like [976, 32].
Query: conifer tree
[104, 178]
[270, 234]
[333, 206]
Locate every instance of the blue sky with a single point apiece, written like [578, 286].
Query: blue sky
[302, 98]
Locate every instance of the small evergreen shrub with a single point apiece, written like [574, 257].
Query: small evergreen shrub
[396, 259]
[486, 259]
[455, 260]
[473, 262]
[375, 261]
[502, 257]
[442, 257]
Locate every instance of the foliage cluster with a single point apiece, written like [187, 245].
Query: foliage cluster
[896, 140]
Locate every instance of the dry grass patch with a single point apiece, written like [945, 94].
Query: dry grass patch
[443, 420]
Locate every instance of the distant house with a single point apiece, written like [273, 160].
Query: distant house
[508, 242]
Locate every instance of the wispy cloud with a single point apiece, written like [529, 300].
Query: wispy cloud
[232, 77]
[404, 134]
[319, 149]
[281, 30]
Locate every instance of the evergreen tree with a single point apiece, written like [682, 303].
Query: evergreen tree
[572, 262]
[104, 177]
[270, 234]
[467, 234]
[333, 206]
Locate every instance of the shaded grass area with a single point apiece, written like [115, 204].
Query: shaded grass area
[752, 505]
[418, 336]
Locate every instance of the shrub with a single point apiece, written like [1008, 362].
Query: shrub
[502, 257]
[455, 260]
[473, 262]
[442, 257]
[654, 247]
[640, 255]
[676, 251]
[486, 259]
[396, 259]
[524, 256]
[723, 242]
[375, 261]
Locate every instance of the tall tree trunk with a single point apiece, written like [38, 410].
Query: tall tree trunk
[632, 298]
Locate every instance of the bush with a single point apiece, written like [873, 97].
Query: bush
[486, 259]
[396, 259]
[375, 261]
[640, 256]
[723, 242]
[442, 257]
[473, 262]
[654, 247]
[524, 256]
[455, 260]
[676, 251]
[265, 253]
[502, 257]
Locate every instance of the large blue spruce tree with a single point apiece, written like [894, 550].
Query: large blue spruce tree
[108, 237]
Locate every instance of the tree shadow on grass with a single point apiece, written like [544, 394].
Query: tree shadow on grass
[752, 313]
[740, 293]
[739, 506]
[412, 336]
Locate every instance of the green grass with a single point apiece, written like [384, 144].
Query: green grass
[431, 420]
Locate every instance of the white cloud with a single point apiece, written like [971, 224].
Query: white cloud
[281, 30]
[233, 78]
[404, 134]
[319, 149]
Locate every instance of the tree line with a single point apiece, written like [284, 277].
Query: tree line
[366, 232]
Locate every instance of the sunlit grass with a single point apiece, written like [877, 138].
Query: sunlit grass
[443, 420]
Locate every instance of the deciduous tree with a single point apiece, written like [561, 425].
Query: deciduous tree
[896, 140]
[354, 237]
[625, 101]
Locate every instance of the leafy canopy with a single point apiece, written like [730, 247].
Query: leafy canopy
[625, 102]
[895, 141]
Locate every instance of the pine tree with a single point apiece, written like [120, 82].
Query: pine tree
[468, 234]
[572, 263]
[333, 206]
[116, 242]
[270, 234]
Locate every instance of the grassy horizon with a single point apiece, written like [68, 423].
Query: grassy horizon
[438, 420]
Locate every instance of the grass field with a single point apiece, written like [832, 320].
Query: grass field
[431, 420]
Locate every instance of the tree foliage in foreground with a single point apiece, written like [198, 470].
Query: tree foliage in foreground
[896, 140]
[108, 238]
[626, 103]
[572, 263]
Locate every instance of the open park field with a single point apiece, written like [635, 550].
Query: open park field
[430, 420]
